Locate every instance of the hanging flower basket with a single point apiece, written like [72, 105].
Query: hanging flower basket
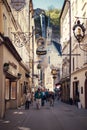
[6, 66]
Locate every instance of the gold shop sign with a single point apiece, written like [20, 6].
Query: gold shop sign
[44, 52]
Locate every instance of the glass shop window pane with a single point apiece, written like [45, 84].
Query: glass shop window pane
[7, 86]
[13, 90]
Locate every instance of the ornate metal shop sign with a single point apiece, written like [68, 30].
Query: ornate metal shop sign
[18, 4]
[40, 41]
[41, 50]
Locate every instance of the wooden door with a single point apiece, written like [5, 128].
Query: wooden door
[86, 93]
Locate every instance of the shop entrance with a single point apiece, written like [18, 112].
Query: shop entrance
[86, 93]
[10, 93]
[75, 92]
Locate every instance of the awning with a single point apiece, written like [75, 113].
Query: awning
[11, 76]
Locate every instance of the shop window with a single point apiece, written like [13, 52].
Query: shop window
[13, 90]
[7, 84]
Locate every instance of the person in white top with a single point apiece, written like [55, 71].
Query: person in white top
[28, 100]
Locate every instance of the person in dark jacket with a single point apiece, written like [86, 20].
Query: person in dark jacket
[51, 98]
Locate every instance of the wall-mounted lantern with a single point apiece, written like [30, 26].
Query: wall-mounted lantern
[19, 75]
[27, 75]
[39, 66]
[54, 72]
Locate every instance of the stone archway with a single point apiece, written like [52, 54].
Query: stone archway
[86, 90]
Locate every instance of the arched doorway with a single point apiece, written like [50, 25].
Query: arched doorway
[86, 93]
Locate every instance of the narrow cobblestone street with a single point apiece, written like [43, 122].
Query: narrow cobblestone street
[60, 117]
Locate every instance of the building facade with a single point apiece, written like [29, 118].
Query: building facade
[14, 54]
[74, 59]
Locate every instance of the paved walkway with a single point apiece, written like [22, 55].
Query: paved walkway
[60, 117]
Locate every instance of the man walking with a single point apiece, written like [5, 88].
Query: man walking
[38, 98]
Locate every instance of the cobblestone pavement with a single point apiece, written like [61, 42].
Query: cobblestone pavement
[60, 117]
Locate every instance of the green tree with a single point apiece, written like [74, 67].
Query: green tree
[54, 18]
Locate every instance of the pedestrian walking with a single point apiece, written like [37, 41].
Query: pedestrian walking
[38, 98]
[28, 100]
[51, 98]
[43, 98]
[32, 98]
[47, 95]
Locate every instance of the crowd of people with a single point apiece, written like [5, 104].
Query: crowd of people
[41, 96]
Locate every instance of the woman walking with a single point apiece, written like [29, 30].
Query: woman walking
[28, 100]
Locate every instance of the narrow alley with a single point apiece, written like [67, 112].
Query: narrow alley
[43, 58]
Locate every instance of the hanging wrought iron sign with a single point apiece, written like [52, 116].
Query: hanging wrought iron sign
[18, 4]
[41, 50]
[40, 41]
[21, 38]
[79, 31]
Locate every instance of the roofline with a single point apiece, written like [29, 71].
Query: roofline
[62, 9]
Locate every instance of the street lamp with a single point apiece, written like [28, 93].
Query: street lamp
[79, 33]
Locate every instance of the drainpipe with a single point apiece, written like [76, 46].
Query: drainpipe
[69, 3]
